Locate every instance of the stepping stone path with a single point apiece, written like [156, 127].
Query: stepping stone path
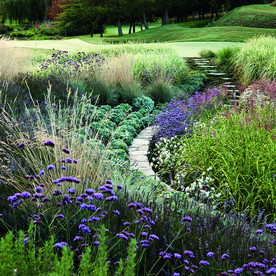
[139, 148]
[138, 154]
[204, 65]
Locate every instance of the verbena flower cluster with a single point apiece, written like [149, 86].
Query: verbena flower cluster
[69, 205]
[158, 74]
[61, 64]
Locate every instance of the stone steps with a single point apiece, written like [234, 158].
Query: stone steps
[213, 72]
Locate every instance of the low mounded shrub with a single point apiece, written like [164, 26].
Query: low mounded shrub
[144, 102]
[207, 54]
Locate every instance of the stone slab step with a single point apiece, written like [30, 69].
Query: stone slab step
[229, 86]
[226, 78]
[217, 74]
[207, 66]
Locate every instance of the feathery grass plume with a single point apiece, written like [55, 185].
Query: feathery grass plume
[64, 126]
[242, 163]
[225, 58]
[257, 59]
[12, 60]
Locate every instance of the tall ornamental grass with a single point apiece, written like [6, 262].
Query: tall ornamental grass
[257, 59]
[12, 60]
[238, 151]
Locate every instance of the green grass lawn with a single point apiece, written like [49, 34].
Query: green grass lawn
[177, 33]
[258, 16]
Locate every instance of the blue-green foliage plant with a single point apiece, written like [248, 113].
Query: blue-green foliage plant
[144, 102]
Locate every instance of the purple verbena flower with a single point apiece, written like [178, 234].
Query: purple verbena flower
[50, 167]
[205, 263]
[66, 150]
[49, 143]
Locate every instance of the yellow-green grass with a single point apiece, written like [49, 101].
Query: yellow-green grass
[258, 16]
[178, 33]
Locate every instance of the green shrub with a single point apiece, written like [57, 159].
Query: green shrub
[160, 92]
[5, 29]
[257, 59]
[132, 130]
[226, 57]
[144, 102]
[129, 91]
[107, 93]
[207, 54]
[194, 81]
[273, 4]
[118, 144]
[117, 115]
[125, 136]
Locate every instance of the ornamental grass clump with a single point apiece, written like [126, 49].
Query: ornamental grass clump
[12, 59]
[240, 148]
[257, 59]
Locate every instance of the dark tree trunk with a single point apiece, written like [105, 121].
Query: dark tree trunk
[166, 15]
[120, 32]
[145, 21]
[203, 15]
[141, 25]
[193, 16]
[212, 14]
[130, 26]
[216, 11]
[133, 30]
[46, 9]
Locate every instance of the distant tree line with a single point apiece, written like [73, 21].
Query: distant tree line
[90, 16]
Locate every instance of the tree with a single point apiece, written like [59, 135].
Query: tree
[83, 17]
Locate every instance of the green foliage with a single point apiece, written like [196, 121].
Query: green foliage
[226, 57]
[273, 4]
[83, 17]
[129, 91]
[240, 148]
[101, 268]
[85, 264]
[160, 92]
[257, 59]
[118, 144]
[44, 31]
[207, 54]
[144, 102]
[107, 93]
[192, 81]
[131, 263]
[257, 16]
[5, 29]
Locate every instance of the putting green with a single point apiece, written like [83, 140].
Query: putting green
[185, 49]
[192, 49]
